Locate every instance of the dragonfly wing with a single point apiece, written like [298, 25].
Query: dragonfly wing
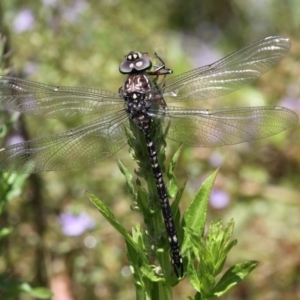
[213, 128]
[76, 148]
[55, 102]
[228, 74]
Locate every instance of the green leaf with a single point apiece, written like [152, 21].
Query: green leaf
[134, 245]
[140, 264]
[152, 276]
[135, 257]
[107, 213]
[205, 259]
[5, 231]
[219, 244]
[176, 211]
[14, 288]
[200, 277]
[128, 177]
[233, 276]
[193, 277]
[130, 136]
[143, 201]
[228, 231]
[25, 287]
[3, 129]
[175, 203]
[137, 234]
[195, 216]
[173, 185]
[220, 263]
[40, 293]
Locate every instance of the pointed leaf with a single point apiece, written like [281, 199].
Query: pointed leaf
[222, 259]
[175, 203]
[128, 177]
[176, 211]
[143, 201]
[135, 256]
[228, 230]
[173, 185]
[107, 213]
[193, 276]
[137, 235]
[140, 264]
[218, 243]
[195, 216]
[233, 276]
[200, 277]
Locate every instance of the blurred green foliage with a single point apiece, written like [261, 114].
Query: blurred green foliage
[80, 43]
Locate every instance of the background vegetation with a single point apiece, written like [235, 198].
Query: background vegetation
[80, 43]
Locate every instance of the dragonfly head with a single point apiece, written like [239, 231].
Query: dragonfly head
[135, 62]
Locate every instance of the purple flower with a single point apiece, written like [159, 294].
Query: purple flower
[76, 224]
[72, 13]
[216, 159]
[49, 2]
[14, 139]
[219, 199]
[291, 103]
[30, 68]
[24, 21]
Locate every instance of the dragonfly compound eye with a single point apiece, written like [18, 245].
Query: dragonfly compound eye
[135, 62]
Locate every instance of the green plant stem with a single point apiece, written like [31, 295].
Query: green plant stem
[161, 290]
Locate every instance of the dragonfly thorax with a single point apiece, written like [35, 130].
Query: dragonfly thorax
[136, 92]
[136, 103]
[140, 83]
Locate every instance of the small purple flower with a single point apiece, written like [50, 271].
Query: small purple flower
[49, 2]
[291, 103]
[30, 68]
[216, 159]
[72, 13]
[24, 21]
[14, 139]
[74, 225]
[219, 199]
[206, 55]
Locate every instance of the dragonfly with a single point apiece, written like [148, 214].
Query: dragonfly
[144, 98]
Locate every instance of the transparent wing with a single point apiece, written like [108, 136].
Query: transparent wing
[55, 102]
[228, 74]
[213, 128]
[76, 148]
